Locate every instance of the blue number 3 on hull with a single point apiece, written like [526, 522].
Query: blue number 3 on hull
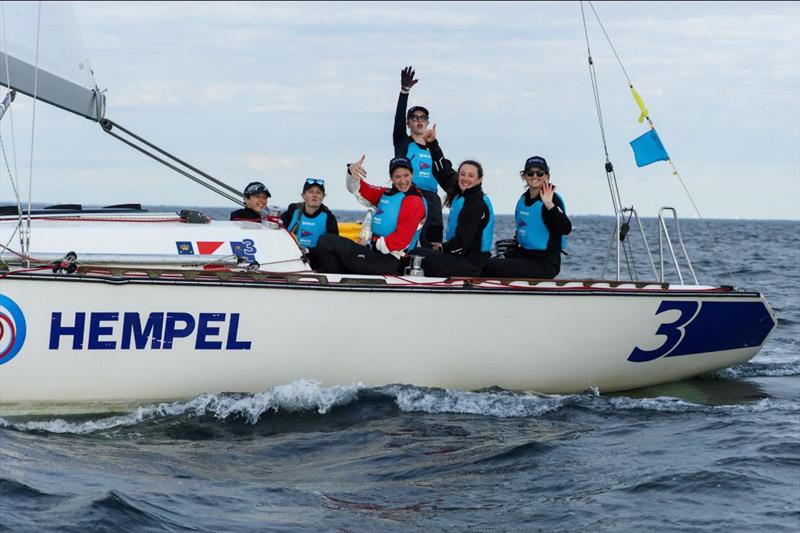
[704, 327]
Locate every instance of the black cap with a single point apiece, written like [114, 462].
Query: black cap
[538, 162]
[400, 162]
[255, 187]
[311, 182]
[416, 108]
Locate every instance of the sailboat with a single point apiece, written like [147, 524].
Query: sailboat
[119, 303]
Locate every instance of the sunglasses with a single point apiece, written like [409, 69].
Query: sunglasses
[315, 181]
[419, 118]
[537, 173]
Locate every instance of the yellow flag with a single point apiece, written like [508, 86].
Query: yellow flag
[640, 103]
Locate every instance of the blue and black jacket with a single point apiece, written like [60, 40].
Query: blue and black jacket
[540, 231]
[308, 228]
[471, 225]
[406, 146]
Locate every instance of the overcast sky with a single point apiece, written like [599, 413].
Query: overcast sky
[279, 92]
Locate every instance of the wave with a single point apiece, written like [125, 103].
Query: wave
[759, 370]
[309, 397]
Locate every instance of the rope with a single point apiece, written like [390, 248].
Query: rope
[101, 219]
[48, 266]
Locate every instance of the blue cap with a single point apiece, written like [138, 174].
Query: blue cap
[537, 162]
[400, 162]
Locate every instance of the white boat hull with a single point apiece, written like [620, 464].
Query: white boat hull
[246, 337]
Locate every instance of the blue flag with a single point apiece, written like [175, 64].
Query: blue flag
[648, 149]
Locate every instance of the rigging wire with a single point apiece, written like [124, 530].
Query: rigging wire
[33, 125]
[13, 177]
[674, 168]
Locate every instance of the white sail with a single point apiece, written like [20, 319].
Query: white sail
[42, 56]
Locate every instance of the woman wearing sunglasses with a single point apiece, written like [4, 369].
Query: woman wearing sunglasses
[310, 219]
[412, 146]
[542, 226]
[470, 227]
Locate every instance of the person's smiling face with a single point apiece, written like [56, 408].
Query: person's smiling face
[257, 202]
[468, 176]
[402, 179]
[535, 177]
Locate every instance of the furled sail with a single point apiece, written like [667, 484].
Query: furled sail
[42, 56]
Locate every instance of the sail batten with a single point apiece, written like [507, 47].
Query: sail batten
[50, 88]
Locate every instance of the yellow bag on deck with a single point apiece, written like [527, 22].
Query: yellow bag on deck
[350, 230]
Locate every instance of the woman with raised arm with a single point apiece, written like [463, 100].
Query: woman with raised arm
[542, 226]
[412, 145]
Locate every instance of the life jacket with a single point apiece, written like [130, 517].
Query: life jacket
[423, 166]
[532, 234]
[308, 229]
[488, 232]
[385, 221]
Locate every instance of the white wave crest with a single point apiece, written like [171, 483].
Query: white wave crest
[499, 404]
[757, 370]
[301, 395]
[668, 404]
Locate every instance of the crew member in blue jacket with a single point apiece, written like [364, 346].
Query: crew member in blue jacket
[470, 227]
[414, 148]
[542, 225]
[309, 219]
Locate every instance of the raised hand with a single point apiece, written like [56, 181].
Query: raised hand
[357, 169]
[430, 134]
[407, 79]
[546, 194]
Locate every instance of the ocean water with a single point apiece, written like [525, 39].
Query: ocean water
[717, 453]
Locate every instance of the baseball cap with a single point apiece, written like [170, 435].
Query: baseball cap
[255, 187]
[538, 162]
[400, 162]
[416, 108]
[310, 182]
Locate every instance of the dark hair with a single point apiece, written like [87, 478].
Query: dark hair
[454, 190]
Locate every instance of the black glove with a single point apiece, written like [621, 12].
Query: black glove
[507, 248]
[407, 79]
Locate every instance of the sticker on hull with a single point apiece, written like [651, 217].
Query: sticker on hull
[703, 327]
[12, 329]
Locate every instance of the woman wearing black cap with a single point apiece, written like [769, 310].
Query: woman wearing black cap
[414, 148]
[310, 219]
[256, 196]
[470, 227]
[542, 226]
[395, 228]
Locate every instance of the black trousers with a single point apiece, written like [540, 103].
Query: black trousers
[338, 255]
[433, 230]
[442, 265]
[520, 267]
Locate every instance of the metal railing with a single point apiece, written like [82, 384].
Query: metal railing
[624, 248]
